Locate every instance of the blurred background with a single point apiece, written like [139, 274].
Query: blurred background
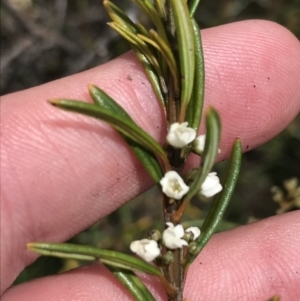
[43, 40]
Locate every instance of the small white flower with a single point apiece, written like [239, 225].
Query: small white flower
[146, 248]
[172, 236]
[180, 135]
[199, 144]
[173, 185]
[211, 185]
[195, 230]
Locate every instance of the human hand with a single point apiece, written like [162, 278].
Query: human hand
[62, 172]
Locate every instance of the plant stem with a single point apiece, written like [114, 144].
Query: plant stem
[175, 271]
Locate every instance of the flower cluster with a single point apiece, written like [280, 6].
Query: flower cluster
[173, 186]
[173, 237]
[180, 135]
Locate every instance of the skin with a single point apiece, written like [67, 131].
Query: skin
[61, 172]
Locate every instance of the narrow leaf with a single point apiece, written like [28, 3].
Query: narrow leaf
[194, 111]
[221, 202]
[149, 9]
[193, 5]
[136, 41]
[103, 100]
[155, 76]
[142, 29]
[121, 123]
[146, 157]
[186, 49]
[118, 16]
[133, 284]
[148, 160]
[157, 82]
[160, 7]
[213, 131]
[80, 252]
[165, 52]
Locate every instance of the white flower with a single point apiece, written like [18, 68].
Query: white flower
[211, 185]
[180, 135]
[195, 230]
[172, 237]
[199, 144]
[173, 185]
[145, 248]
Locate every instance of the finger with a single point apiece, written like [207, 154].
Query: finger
[253, 262]
[62, 172]
[100, 284]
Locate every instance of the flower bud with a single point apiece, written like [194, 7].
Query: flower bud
[193, 248]
[155, 235]
[168, 258]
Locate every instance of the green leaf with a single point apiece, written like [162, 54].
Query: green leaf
[118, 16]
[193, 5]
[146, 157]
[157, 82]
[133, 284]
[80, 252]
[154, 15]
[221, 202]
[121, 123]
[148, 160]
[136, 41]
[194, 111]
[142, 29]
[165, 52]
[154, 74]
[213, 131]
[186, 50]
[103, 100]
[160, 7]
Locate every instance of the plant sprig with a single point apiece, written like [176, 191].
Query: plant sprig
[172, 57]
